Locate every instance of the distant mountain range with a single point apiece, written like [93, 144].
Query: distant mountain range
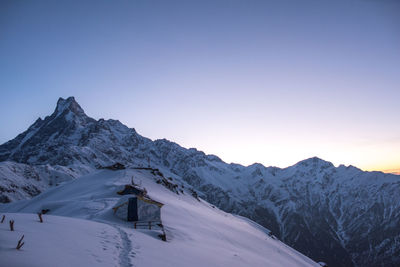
[341, 215]
[393, 171]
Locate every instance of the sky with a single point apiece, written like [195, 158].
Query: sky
[272, 82]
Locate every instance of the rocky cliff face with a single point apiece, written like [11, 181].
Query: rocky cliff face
[341, 215]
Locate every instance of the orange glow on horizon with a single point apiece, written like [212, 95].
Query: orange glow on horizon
[393, 171]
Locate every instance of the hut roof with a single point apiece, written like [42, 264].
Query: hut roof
[150, 201]
[129, 189]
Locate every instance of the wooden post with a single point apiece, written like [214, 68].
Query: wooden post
[135, 225]
[163, 236]
[2, 219]
[11, 225]
[40, 217]
[19, 243]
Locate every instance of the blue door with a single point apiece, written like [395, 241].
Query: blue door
[132, 209]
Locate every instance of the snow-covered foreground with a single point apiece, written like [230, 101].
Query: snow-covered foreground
[59, 241]
[198, 234]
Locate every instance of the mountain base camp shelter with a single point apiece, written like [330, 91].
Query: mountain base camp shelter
[138, 209]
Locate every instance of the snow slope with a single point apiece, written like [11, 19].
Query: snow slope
[198, 234]
[22, 181]
[59, 241]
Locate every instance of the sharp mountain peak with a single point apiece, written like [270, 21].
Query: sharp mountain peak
[68, 104]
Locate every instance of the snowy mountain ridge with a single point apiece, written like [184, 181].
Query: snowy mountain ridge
[341, 215]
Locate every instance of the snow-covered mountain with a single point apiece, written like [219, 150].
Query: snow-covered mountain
[341, 215]
[198, 234]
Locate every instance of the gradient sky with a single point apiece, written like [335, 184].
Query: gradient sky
[273, 82]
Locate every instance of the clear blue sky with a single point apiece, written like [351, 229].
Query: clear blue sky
[250, 81]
